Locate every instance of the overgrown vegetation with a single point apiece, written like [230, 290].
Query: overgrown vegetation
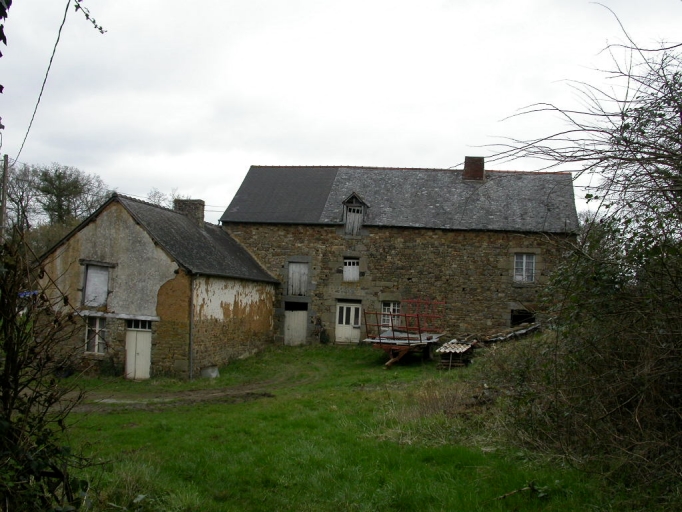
[35, 463]
[606, 389]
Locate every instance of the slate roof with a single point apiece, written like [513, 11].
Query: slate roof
[205, 250]
[420, 198]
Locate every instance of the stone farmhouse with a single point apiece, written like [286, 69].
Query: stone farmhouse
[160, 291]
[300, 255]
[343, 240]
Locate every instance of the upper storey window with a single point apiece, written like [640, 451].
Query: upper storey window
[96, 286]
[524, 268]
[354, 210]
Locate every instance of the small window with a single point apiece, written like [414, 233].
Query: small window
[351, 269]
[524, 268]
[139, 325]
[96, 286]
[95, 335]
[354, 216]
[389, 314]
[521, 316]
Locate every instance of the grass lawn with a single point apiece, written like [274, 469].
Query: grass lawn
[321, 428]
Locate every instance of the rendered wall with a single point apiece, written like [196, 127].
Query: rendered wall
[138, 270]
[232, 319]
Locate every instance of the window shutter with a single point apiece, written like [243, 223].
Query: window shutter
[96, 286]
[298, 279]
[353, 220]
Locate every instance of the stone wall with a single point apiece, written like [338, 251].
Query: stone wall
[471, 271]
[170, 342]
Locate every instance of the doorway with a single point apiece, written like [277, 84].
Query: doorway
[138, 349]
[348, 322]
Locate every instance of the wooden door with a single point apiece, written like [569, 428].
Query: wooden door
[138, 354]
[295, 327]
[348, 323]
[298, 279]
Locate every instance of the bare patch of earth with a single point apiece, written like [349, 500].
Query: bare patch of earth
[109, 401]
[101, 402]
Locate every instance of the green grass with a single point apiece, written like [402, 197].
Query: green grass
[336, 432]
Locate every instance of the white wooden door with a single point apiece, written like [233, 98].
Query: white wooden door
[295, 327]
[138, 354]
[348, 323]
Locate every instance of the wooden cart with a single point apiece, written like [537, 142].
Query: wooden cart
[417, 329]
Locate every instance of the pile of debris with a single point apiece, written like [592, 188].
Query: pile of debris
[458, 352]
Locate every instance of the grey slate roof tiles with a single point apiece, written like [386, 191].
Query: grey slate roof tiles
[420, 198]
[206, 249]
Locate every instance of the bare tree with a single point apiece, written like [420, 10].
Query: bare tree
[35, 464]
[155, 196]
[608, 389]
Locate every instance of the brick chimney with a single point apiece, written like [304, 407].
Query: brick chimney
[474, 168]
[193, 208]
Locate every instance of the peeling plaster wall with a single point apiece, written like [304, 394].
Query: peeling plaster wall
[139, 270]
[141, 267]
[232, 318]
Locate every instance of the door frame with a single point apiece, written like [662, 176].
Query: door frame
[138, 343]
[348, 321]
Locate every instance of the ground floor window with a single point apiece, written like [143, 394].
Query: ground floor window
[521, 316]
[524, 267]
[388, 312]
[95, 335]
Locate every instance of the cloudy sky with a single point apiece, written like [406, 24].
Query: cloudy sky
[187, 95]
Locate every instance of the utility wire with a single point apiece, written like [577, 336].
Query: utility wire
[42, 88]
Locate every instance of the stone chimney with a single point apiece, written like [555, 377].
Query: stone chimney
[474, 168]
[193, 208]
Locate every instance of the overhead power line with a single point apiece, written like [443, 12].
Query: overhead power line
[42, 88]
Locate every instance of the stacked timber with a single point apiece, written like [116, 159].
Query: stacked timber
[458, 352]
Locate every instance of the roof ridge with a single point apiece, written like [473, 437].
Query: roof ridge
[384, 168]
[141, 201]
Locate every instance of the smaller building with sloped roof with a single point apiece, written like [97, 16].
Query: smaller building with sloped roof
[159, 291]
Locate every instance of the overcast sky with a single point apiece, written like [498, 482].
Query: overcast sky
[187, 95]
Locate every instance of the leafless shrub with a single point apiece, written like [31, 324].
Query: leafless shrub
[606, 388]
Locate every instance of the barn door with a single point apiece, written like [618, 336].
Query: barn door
[295, 323]
[298, 279]
[348, 322]
[138, 353]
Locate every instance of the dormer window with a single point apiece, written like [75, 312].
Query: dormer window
[354, 214]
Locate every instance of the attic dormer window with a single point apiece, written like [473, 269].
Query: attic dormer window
[353, 213]
[354, 216]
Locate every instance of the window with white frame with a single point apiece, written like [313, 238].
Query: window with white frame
[96, 286]
[351, 269]
[96, 335]
[524, 268]
[139, 325]
[389, 312]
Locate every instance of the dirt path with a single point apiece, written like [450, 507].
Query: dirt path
[110, 401]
